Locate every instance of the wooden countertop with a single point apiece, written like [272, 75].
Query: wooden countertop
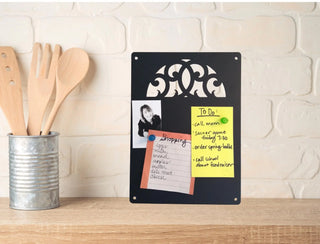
[114, 220]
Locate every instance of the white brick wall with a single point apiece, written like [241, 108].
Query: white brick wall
[150, 34]
[18, 32]
[274, 34]
[280, 46]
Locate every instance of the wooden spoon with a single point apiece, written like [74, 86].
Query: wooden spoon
[73, 66]
[11, 92]
[40, 87]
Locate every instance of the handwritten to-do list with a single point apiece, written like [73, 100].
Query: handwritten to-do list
[212, 141]
[167, 165]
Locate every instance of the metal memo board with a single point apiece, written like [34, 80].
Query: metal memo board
[174, 83]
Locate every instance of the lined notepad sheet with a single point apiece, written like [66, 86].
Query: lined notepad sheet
[167, 164]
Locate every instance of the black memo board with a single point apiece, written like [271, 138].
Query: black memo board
[176, 116]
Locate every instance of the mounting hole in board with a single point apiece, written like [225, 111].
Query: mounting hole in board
[136, 58]
[235, 199]
[11, 83]
[236, 58]
[134, 198]
[8, 68]
[3, 55]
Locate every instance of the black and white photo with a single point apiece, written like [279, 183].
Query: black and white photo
[146, 115]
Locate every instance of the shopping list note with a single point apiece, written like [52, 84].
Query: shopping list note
[212, 141]
[167, 164]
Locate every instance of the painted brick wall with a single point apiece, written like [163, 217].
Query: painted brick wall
[280, 46]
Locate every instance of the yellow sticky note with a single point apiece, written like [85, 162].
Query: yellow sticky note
[212, 142]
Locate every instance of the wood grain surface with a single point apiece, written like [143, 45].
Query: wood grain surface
[116, 220]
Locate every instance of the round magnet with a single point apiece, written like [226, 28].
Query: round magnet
[224, 120]
[152, 137]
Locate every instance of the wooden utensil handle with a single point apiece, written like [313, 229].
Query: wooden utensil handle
[50, 119]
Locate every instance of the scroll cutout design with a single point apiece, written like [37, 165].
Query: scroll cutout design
[186, 79]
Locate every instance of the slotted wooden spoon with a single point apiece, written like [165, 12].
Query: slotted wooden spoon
[11, 92]
[72, 67]
[41, 86]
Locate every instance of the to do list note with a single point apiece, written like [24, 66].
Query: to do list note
[167, 164]
[212, 141]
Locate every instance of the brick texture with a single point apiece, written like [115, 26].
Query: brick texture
[99, 160]
[154, 7]
[106, 74]
[286, 7]
[274, 76]
[298, 118]
[36, 8]
[294, 7]
[310, 35]
[265, 189]
[280, 105]
[256, 117]
[104, 117]
[92, 34]
[195, 7]
[14, 30]
[149, 34]
[97, 8]
[262, 161]
[261, 34]
[309, 165]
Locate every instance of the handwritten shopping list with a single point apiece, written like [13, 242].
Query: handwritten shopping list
[167, 165]
[212, 141]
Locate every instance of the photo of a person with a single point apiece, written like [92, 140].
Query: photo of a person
[146, 115]
[148, 121]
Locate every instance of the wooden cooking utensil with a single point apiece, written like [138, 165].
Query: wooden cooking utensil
[11, 92]
[40, 87]
[72, 67]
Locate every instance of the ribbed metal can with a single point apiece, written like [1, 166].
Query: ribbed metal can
[34, 171]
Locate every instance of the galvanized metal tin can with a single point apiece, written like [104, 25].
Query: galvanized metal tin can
[34, 171]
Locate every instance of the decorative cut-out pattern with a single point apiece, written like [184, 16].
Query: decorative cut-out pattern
[186, 79]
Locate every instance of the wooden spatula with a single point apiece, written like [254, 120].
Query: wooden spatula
[11, 92]
[41, 86]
